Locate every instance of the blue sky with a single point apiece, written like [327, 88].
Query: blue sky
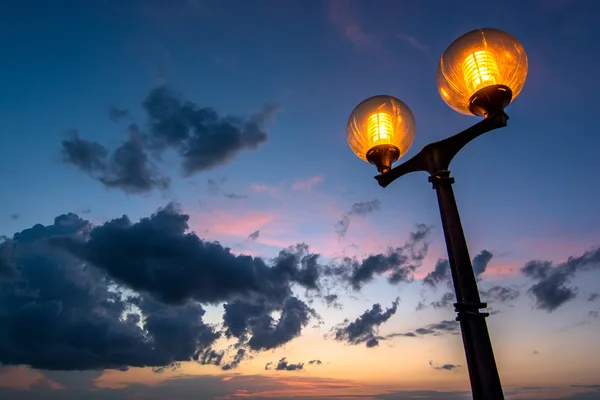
[525, 192]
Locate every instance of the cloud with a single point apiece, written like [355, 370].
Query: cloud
[235, 362]
[363, 329]
[123, 293]
[413, 41]
[442, 274]
[344, 19]
[254, 235]
[593, 297]
[14, 216]
[171, 273]
[156, 255]
[235, 196]
[361, 209]
[116, 114]
[78, 319]
[552, 288]
[212, 187]
[201, 137]
[253, 324]
[593, 314]
[445, 302]
[307, 184]
[315, 362]
[437, 329]
[88, 156]
[481, 261]
[128, 167]
[398, 263]
[445, 367]
[283, 365]
[502, 294]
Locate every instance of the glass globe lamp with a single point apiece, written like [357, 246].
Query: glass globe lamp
[481, 72]
[380, 130]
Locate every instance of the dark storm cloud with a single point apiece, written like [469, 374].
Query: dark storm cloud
[364, 328]
[75, 317]
[361, 208]
[202, 138]
[445, 302]
[284, 365]
[88, 156]
[7, 270]
[445, 367]
[441, 328]
[128, 167]
[235, 362]
[481, 261]
[254, 235]
[253, 323]
[209, 357]
[157, 256]
[399, 263]
[502, 294]
[116, 114]
[172, 368]
[440, 273]
[552, 289]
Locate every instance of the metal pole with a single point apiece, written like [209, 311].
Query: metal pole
[483, 373]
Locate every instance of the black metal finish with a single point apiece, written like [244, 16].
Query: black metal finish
[383, 156]
[435, 158]
[483, 373]
[490, 100]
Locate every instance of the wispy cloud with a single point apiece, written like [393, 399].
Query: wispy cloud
[344, 18]
[413, 41]
[307, 184]
[444, 367]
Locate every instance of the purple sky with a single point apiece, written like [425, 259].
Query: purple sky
[233, 113]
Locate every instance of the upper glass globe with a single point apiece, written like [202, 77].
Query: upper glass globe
[479, 59]
[382, 125]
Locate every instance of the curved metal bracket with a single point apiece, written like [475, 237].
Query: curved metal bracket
[437, 156]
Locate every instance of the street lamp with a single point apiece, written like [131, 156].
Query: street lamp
[479, 74]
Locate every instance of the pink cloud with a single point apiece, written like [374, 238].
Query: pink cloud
[307, 184]
[24, 378]
[343, 17]
[227, 224]
[273, 191]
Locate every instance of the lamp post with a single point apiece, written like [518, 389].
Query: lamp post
[479, 74]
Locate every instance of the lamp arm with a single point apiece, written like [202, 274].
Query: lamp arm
[437, 156]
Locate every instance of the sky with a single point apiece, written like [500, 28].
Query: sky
[182, 216]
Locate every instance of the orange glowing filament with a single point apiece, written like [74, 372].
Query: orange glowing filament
[480, 70]
[380, 128]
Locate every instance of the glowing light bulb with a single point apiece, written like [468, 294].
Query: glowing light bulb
[480, 70]
[380, 128]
